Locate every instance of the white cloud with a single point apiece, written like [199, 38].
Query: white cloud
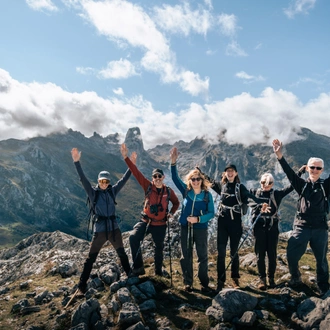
[126, 23]
[118, 91]
[192, 83]
[248, 78]
[42, 5]
[228, 25]
[208, 3]
[85, 70]
[30, 109]
[118, 70]
[234, 49]
[299, 7]
[181, 19]
[307, 80]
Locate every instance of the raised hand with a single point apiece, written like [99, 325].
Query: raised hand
[174, 155]
[133, 157]
[124, 150]
[277, 147]
[76, 154]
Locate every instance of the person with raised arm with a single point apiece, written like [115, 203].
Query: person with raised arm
[310, 224]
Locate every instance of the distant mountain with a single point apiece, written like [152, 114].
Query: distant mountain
[40, 189]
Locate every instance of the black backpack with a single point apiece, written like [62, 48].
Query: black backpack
[91, 205]
[244, 207]
[326, 201]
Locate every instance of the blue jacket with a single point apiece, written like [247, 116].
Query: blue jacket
[193, 205]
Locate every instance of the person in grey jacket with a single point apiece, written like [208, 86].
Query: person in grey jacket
[105, 226]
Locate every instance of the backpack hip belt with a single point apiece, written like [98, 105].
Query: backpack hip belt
[236, 208]
[98, 218]
[145, 218]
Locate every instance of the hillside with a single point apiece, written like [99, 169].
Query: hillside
[39, 274]
[40, 190]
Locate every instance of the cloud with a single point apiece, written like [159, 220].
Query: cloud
[118, 91]
[307, 80]
[299, 7]
[180, 19]
[42, 5]
[234, 49]
[248, 78]
[30, 109]
[228, 25]
[127, 25]
[85, 70]
[118, 70]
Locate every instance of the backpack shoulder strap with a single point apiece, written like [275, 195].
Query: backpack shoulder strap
[238, 193]
[110, 192]
[272, 198]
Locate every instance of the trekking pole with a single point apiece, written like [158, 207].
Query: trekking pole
[241, 244]
[140, 247]
[169, 248]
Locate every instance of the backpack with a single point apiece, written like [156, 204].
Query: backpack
[91, 205]
[148, 192]
[205, 199]
[326, 201]
[244, 207]
[272, 198]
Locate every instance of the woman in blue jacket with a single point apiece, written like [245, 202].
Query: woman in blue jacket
[197, 210]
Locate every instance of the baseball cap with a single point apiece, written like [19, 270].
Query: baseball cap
[230, 166]
[104, 175]
[158, 170]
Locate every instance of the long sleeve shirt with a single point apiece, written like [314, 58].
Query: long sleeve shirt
[312, 205]
[105, 205]
[156, 197]
[195, 205]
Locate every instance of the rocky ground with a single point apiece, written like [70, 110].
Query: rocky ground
[38, 276]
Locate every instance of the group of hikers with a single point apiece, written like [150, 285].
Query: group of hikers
[161, 203]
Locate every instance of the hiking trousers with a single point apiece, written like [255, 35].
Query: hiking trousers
[266, 240]
[318, 241]
[98, 240]
[186, 261]
[137, 236]
[232, 230]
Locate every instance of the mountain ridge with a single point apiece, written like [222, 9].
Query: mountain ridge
[40, 190]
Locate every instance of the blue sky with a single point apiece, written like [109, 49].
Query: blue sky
[249, 71]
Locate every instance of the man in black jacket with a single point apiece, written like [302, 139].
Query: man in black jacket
[310, 225]
[106, 227]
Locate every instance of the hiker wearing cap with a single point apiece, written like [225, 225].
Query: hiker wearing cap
[266, 231]
[310, 224]
[153, 217]
[105, 226]
[233, 197]
[197, 210]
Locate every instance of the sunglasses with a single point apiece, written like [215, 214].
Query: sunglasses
[195, 179]
[265, 182]
[104, 181]
[315, 168]
[157, 176]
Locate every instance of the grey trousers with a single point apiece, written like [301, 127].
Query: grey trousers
[186, 261]
[318, 241]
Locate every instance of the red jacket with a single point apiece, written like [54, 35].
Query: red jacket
[154, 197]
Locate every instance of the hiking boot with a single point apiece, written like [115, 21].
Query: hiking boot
[188, 288]
[295, 281]
[138, 271]
[272, 283]
[262, 283]
[206, 289]
[236, 283]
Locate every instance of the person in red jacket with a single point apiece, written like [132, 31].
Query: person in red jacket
[153, 217]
